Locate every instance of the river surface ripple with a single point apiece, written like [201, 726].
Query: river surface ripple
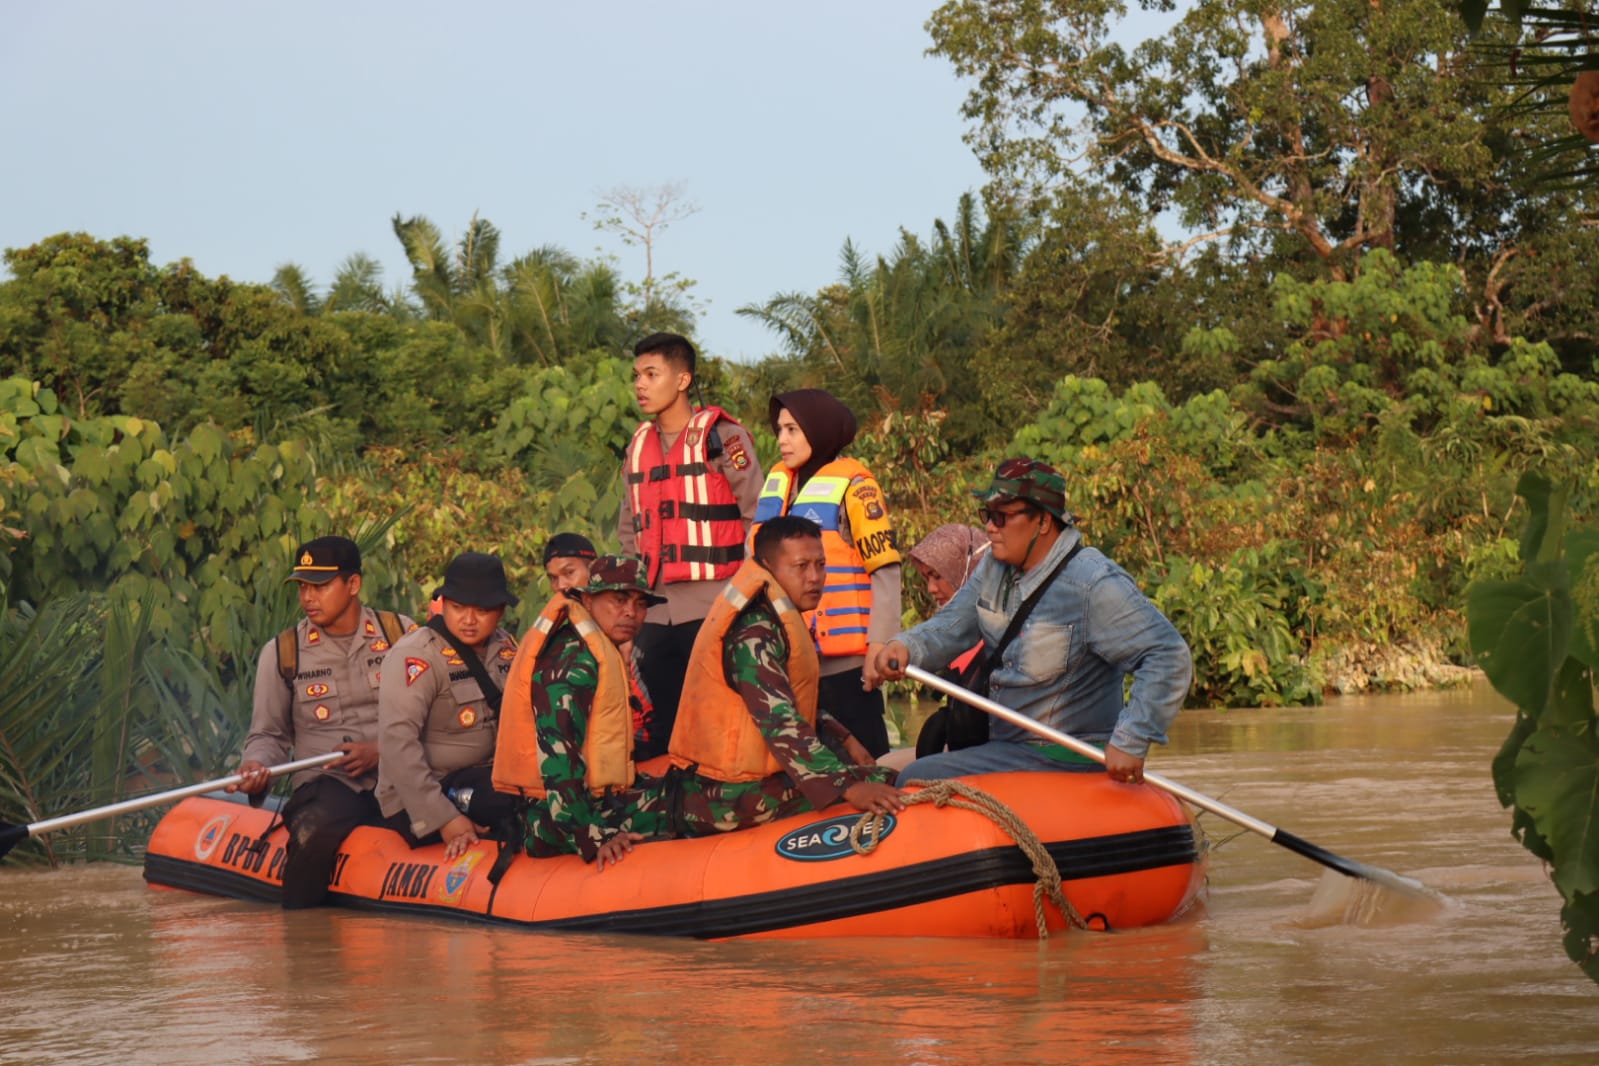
[97, 968]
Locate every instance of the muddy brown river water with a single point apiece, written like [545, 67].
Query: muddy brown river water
[97, 968]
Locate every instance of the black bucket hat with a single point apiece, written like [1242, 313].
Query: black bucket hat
[477, 579]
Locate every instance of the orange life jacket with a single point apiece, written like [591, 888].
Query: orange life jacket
[839, 621]
[608, 744]
[687, 520]
[714, 729]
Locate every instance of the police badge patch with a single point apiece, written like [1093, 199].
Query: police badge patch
[736, 454]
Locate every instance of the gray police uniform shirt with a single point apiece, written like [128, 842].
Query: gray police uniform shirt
[432, 719]
[332, 699]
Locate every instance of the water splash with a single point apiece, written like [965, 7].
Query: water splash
[1370, 903]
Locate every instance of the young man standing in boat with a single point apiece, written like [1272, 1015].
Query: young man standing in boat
[749, 739]
[567, 734]
[1085, 628]
[316, 691]
[692, 480]
[438, 710]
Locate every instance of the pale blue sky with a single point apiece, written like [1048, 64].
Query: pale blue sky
[245, 135]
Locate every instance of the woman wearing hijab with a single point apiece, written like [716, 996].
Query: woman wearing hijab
[945, 558]
[861, 600]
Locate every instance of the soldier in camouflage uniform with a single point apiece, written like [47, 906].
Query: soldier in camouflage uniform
[820, 765]
[316, 691]
[570, 818]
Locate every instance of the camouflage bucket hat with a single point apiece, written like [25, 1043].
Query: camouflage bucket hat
[1030, 480]
[620, 573]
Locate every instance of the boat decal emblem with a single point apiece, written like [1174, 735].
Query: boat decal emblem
[457, 876]
[823, 841]
[210, 836]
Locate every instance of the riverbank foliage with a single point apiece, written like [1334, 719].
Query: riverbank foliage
[1300, 426]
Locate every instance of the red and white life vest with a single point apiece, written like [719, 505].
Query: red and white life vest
[687, 520]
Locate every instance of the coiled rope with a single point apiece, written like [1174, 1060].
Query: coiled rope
[865, 834]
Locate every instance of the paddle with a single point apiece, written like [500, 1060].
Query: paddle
[1348, 867]
[12, 835]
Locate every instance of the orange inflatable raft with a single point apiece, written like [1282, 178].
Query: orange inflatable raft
[1128, 856]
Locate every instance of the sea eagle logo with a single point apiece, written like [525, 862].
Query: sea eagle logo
[826, 840]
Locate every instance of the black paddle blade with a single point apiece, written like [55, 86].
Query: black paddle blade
[11, 836]
[1350, 868]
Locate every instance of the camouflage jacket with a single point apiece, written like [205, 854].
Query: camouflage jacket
[753, 656]
[568, 819]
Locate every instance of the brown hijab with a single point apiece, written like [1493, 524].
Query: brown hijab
[828, 426]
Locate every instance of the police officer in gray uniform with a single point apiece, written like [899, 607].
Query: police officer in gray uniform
[316, 691]
[437, 724]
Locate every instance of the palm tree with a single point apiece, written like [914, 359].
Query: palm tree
[358, 286]
[291, 282]
[456, 286]
[898, 332]
[558, 307]
[1554, 67]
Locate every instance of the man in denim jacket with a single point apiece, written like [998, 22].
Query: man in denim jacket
[1066, 666]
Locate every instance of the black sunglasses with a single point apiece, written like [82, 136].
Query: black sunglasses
[997, 517]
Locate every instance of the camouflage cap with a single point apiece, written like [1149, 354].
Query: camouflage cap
[619, 573]
[1028, 479]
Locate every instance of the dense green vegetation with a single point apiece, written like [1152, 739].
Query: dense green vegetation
[1300, 424]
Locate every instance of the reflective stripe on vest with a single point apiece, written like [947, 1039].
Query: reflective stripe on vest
[686, 518]
[839, 621]
[608, 743]
[714, 730]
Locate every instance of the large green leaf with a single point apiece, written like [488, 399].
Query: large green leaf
[1522, 826]
[1580, 916]
[1557, 783]
[1582, 561]
[1519, 632]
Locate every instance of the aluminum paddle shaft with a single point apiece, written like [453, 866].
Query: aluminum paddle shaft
[1196, 799]
[12, 835]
